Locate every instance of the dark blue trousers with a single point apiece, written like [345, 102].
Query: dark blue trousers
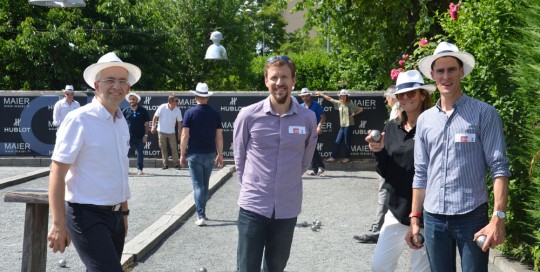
[98, 237]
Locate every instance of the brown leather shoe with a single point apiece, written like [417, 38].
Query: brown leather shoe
[165, 167]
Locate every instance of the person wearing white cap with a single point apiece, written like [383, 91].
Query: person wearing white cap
[394, 162]
[88, 181]
[63, 106]
[317, 163]
[138, 120]
[347, 112]
[201, 147]
[456, 142]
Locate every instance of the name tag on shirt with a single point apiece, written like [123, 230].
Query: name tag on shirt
[297, 130]
[465, 138]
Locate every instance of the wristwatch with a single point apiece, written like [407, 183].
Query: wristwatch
[500, 214]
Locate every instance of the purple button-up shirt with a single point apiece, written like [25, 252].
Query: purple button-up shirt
[271, 153]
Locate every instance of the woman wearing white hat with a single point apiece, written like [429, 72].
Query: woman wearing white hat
[394, 155]
[347, 111]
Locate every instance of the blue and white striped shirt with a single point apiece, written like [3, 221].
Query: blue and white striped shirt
[452, 154]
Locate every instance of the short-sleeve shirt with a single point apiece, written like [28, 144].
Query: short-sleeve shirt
[95, 145]
[167, 118]
[345, 112]
[316, 108]
[202, 121]
[136, 120]
[61, 109]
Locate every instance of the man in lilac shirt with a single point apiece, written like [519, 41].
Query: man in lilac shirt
[274, 141]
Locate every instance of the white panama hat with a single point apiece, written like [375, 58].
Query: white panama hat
[304, 91]
[411, 80]
[68, 88]
[445, 49]
[134, 94]
[202, 90]
[111, 60]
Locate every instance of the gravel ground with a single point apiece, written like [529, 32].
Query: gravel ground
[343, 200]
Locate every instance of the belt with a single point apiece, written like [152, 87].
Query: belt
[111, 208]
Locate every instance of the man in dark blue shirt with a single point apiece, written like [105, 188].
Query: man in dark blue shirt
[138, 122]
[317, 164]
[201, 147]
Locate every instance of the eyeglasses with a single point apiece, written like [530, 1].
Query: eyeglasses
[276, 58]
[410, 94]
[110, 82]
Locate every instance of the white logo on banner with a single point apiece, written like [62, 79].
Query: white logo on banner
[147, 100]
[233, 101]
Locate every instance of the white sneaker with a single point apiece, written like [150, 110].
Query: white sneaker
[200, 222]
[321, 170]
[139, 172]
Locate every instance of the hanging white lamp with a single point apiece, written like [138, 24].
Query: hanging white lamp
[216, 51]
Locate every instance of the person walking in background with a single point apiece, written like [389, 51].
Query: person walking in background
[167, 116]
[394, 155]
[88, 181]
[273, 142]
[457, 141]
[347, 111]
[63, 106]
[138, 122]
[373, 233]
[201, 147]
[317, 163]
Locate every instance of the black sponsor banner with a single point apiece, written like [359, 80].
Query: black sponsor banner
[27, 128]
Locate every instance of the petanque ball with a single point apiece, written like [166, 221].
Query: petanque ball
[62, 263]
[375, 135]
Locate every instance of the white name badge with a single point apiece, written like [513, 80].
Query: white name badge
[465, 138]
[297, 130]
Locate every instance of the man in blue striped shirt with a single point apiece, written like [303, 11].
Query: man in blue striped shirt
[457, 141]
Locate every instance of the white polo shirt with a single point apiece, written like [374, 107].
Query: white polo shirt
[96, 147]
[167, 118]
[61, 109]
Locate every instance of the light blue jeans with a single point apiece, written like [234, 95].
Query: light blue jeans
[200, 169]
[444, 232]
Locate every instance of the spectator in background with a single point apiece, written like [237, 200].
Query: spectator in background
[167, 116]
[63, 106]
[373, 233]
[137, 118]
[347, 111]
[317, 163]
[201, 147]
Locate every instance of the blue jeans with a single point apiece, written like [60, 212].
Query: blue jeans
[444, 232]
[344, 134]
[98, 236]
[257, 235]
[137, 144]
[200, 169]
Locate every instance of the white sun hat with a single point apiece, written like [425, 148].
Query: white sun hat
[412, 80]
[111, 60]
[445, 49]
[134, 94]
[202, 90]
[304, 91]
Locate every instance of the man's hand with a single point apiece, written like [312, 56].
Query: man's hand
[495, 233]
[183, 161]
[153, 130]
[219, 161]
[58, 238]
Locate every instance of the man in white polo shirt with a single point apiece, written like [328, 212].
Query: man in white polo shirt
[167, 116]
[88, 181]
